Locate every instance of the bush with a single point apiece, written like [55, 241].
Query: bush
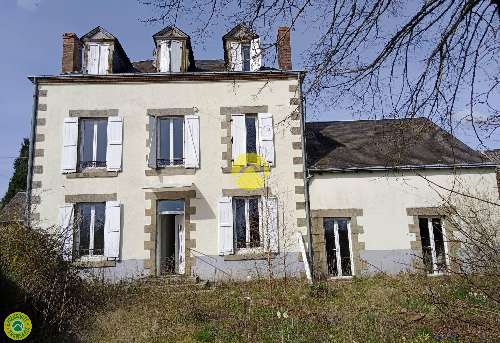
[35, 280]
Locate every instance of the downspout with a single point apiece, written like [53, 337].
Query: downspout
[306, 175]
[31, 154]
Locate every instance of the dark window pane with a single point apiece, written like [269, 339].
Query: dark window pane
[253, 218]
[83, 224]
[102, 141]
[439, 244]
[250, 122]
[178, 141]
[331, 254]
[164, 141]
[86, 140]
[240, 223]
[171, 205]
[426, 244]
[245, 51]
[100, 213]
[345, 252]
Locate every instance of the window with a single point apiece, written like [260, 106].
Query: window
[93, 143]
[98, 59]
[170, 56]
[338, 246]
[251, 137]
[434, 247]
[90, 219]
[170, 141]
[245, 52]
[246, 223]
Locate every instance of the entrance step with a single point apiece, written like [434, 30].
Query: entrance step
[172, 280]
[176, 284]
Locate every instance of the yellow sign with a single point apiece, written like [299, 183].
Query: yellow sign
[17, 326]
[251, 169]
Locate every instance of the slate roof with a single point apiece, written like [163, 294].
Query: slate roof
[201, 65]
[170, 32]
[240, 31]
[386, 143]
[13, 211]
[493, 155]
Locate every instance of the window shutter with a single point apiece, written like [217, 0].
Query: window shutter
[270, 221]
[239, 138]
[70, 143]
[164, 57]
[112, 224]
[176, 55]
[152, 142]
[236, 58]
[225, 226]
[104, 60]
[192, 141]
[115, 144]
[66, 230]
[93, 59]
[255, 55]
[266, 137]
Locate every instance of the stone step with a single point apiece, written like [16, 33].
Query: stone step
[171, 280]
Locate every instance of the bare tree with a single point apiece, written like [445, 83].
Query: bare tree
[389, 58]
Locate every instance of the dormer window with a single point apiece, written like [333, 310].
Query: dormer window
[170, 56]
[98, 61]
[242, 49]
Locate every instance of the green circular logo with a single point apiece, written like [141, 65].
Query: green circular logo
[17, 326]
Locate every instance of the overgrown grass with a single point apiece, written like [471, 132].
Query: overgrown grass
[407, 308]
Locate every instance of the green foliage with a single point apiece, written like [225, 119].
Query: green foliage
[17, 182]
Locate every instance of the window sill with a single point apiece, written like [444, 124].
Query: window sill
[92, 173]
[94, 263]
[235, 169]
[173, 170]
[246, 256]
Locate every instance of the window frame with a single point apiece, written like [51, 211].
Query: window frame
[337, 247]
[254, 116]
[430, 232]
[171, 142]
[243, 60]
[76, 246]
[248, 242]
[95, 135]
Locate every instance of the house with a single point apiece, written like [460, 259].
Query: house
[376, 190]
[171, 165]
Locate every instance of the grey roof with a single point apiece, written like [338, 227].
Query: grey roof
[170, 32]
[201, 65]
[13, 211]
[240, 31]
[493, 155]
[386, 143]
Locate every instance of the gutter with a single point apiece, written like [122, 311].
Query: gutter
[31, 154]
[405, 167]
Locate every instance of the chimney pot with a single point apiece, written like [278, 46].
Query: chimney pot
[284, 49]
[72, 53]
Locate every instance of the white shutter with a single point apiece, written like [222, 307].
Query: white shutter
[239, 138]
[266, 137]
[192, 141]
[104, 59]
[255, 55]
[226, 226]
[176, 55]
[236, 58]
[93, 59]
[69, 147]
[164, 57]
[66, 230]
[270, 222]
[112, 224]
[115, 144]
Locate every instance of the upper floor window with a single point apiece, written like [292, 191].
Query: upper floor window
[170, 141]
[89, 236]
[170, 56]
[434, 245]
[338, 246]
[245, 53]
[98, 59]
[252, 138]
[93, 143]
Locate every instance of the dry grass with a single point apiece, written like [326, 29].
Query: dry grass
[408, 308]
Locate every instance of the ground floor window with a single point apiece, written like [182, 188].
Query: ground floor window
[89, 222]
[338, 246]
[246, 222]
[434, 247]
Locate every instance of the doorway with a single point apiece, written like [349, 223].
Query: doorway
[170, 238]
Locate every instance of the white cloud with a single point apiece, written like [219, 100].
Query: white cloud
[30, 5]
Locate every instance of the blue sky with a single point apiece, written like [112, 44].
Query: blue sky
[32, 42]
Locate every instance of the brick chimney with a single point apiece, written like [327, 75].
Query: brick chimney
[283, 48]
[72, 54]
